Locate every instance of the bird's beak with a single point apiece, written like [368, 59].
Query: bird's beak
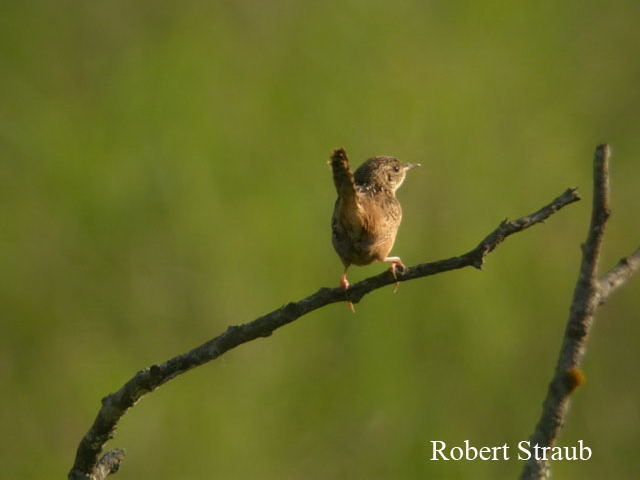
[409, 166]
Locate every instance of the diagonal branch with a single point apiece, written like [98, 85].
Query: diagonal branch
[87, 464]
[618, 275]
[108, 464]
[589, 293]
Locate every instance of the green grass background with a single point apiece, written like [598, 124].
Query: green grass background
[163, 175]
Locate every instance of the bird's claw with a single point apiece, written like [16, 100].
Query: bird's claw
[394, 266]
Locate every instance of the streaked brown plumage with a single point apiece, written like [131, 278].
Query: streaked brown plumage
[367, 213]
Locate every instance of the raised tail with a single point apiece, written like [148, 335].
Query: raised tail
[342, 176]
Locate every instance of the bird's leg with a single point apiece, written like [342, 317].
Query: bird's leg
[395, 263]
[344, 283]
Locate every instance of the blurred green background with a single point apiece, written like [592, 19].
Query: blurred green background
[163, 175]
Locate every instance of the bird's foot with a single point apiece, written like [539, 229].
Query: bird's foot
[351, 307]
[395, 263]
[344, 283]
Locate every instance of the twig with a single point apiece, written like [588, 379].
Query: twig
[114, 406]
[108, 464]
[618, 275]
[589, 293]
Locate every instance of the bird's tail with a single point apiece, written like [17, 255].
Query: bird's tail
[342, 176]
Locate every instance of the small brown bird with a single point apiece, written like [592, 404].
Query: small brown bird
[367, 213]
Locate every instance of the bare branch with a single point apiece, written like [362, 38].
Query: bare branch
[589, 293]
[114, 406]
[109, 463]
[618, 275]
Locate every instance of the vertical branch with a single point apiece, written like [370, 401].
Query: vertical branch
[567, 376]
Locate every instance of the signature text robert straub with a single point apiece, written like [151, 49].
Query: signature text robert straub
[525, 451]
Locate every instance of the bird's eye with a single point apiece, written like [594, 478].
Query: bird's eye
[396, 169]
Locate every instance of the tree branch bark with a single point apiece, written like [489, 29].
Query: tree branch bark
[589, 293]
[618, 275]
[89, 466]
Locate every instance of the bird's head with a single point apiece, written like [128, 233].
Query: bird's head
[383, 172]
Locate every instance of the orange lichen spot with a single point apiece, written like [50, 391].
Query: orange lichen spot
[575, 378]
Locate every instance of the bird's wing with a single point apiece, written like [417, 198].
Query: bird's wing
[383, 216]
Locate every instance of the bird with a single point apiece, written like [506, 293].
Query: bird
[367, 214]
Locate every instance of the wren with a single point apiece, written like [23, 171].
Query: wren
[367, 214]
